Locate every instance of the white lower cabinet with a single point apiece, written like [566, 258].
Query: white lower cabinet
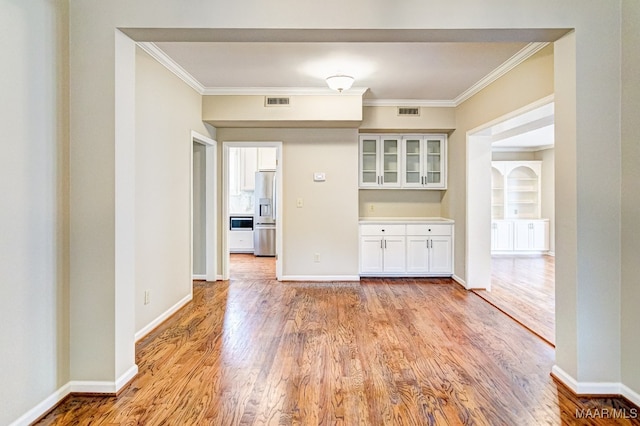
[513, 236]
[241, 241]
[406, 249]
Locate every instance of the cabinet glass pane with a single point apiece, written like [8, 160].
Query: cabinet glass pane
[413, 177]
[412, 146]
[368, 162]
[369, 177]
[390, 177]
[390, 146]
[390, 159]
[433, 147]
[433, 177]
[369, 146]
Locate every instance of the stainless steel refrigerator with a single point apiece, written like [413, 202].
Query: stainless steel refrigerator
[264, 220]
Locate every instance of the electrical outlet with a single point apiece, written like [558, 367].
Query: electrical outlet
[316, 257]
[299, 203]
[147, 297]
[372, 208]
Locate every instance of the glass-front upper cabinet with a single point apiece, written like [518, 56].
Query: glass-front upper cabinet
[380, 161]
[424, 161]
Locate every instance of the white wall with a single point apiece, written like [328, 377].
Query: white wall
[166, 112]
[34, 351]
[630, 195]
[548, 192]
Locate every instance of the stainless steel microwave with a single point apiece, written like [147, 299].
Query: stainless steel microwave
[241, 223]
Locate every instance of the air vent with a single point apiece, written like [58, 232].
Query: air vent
[270, 101]
[412, 111]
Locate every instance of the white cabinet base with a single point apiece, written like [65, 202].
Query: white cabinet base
[406, 249]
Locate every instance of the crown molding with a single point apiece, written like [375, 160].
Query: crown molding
[171, 65]
[175, 68]
[525, 53]
[409, 103]
[281, 91]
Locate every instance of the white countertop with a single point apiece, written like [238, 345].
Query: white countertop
[405, 220]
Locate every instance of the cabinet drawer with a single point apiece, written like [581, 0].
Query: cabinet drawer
[382, 229]
[428, 229]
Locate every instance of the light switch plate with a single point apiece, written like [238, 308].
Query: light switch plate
[319, 177]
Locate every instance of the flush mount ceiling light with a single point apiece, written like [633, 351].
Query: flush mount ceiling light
[340, 82]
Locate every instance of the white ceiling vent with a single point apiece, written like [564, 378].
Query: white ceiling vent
[409, 111]
[273, 101]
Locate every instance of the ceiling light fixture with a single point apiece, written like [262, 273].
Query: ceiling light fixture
[340, 82]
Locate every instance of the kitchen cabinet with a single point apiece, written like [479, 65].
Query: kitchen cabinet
[403, 161]
[240, 241]
[501, 235]
[423, 161]
[519, 236]
[413, 248]
[380, 161]
[382, 249]
[531, 235]
[429, 249]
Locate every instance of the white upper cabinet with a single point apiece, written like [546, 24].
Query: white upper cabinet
[380, 161]
[424, 159]
[409, 161]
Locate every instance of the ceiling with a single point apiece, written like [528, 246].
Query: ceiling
[409, 71]
[398, 72]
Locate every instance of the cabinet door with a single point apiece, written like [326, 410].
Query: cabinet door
[417, 254]
[440, 256]
[390, 161]
[435, 161]
[539, 235]
[521, 237]
[412, 164]
[502, 235]
[369, 162]
[394, 259]
[371, 255]
[267, 158]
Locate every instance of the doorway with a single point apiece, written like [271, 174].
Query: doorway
[203, 208]
[248, 169]
[511, 215]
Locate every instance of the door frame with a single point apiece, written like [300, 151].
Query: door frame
[225, 200]
[211, 216]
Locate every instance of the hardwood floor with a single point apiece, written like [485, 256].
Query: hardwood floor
[524, 288]
[379, 352]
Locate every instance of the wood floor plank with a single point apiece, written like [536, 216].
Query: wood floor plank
[253, 351]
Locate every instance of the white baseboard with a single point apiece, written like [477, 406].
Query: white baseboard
[459, 280]
[199, 277]
[595, 388]
[630, 394]
[75, 386]
[159, 320]
[320, 278]
[45, 405]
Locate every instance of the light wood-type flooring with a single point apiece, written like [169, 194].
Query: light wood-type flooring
[253, 351]
[524, 288]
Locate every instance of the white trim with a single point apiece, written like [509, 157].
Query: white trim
[160, 319]
[459, 280]
[321, 278]
[409, 103]
[96, 387]
[219, 278]
[281, 91]
[521, 149]
[41, 408]
[159, 55]
[199, 277]
[525, 53]
[630, 394]
[586, 388]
